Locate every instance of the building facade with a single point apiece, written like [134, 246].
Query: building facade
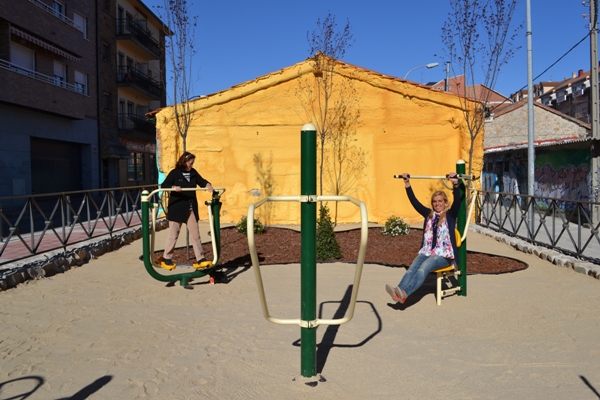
[132, 80]
[247, 139]
[562, 153]
[68, 108]
[48, 101]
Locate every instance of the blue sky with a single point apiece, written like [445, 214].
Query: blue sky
[239, 40]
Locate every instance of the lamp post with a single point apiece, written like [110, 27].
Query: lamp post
[429, 66]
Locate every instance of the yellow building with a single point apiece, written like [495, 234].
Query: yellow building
[247, 139]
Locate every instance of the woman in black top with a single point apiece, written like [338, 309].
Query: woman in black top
[438, 247]
[183, 208]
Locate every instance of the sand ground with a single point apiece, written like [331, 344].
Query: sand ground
[108, 330]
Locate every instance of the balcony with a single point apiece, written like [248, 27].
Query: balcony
[58, 15]
[57, 81]
[134, 126]
[128, 29]
[131, 77]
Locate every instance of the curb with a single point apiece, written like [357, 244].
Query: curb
[553, 256]
[76, 255]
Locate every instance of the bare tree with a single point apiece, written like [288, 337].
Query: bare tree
[180, 28]
[323, 98]
[345, 162]
[479, 36]
[264, 174]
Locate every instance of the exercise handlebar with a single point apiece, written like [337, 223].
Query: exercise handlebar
[447, 176]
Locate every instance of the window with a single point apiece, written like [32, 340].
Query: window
[152, 168]
[59, 8]
[106, 52]
[135, 167]
[120, 66]
[107, 102]
[129, 109]
[23, 57]
[121, 114]
[120, 21]
[128, 22]
[81, 22]
[60, 73]
[81, 82]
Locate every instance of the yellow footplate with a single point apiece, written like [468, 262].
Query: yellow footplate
[203, 265]
[168, 267]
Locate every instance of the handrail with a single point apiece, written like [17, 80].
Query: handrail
[359, 263]
[58, 15]
[26, 222]
[148, 238]
[567, 226]
[41, 77]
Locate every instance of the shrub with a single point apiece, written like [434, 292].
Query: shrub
[242, 226]
[327, 245]
[395, 226]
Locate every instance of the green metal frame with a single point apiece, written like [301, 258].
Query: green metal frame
[308, 263]
[462, 223]
[214, 212]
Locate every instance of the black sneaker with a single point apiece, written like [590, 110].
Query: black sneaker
[202, 263]
[167, 264]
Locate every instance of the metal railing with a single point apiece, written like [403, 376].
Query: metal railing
[567, 226]
[133, 122]
[31, 225]
[133, 77]
[57, 14]
[139, 33]
[77, 88]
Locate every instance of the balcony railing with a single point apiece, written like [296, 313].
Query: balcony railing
[132, 122]
[77, 88]
[139, 34]
[57, 14]
[133, 77]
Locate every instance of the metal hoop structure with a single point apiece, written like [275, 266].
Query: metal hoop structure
[364, 233]
[149, 235]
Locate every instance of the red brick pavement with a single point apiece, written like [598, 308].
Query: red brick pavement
[15, 249]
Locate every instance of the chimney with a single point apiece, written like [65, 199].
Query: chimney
[573, 75]
[580, 72]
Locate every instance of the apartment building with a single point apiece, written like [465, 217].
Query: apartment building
[571, 96]
[76, 78]
[48, 97]
[132, 77]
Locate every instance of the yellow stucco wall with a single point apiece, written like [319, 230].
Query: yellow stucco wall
[404, 127]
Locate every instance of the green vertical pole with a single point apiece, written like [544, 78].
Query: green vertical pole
[308, 253]
[217, 224]
[145, 226]
[462, 221]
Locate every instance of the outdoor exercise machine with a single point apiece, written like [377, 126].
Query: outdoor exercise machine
[466, 183]
[150, 211]
[308, 199]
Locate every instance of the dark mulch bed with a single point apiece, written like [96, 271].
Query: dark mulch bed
[282, 246]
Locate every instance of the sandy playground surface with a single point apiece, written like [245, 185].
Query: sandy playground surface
[108, 330]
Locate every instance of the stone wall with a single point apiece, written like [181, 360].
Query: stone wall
[56, 262]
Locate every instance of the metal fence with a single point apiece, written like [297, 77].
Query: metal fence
[563, 225]
[31, 225]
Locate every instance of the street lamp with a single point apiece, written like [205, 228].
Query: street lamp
[429, 66]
